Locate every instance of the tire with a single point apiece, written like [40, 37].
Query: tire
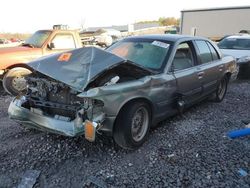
[14, 80]
[132, 125]
[221, 90]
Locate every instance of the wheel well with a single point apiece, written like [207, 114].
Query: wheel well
[18, 65]
[150, 104]
[228, 76]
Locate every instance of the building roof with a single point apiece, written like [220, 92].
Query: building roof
[216, 8]
[137, 26]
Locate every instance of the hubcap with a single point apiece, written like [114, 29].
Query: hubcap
[140, 123]
[19, 83]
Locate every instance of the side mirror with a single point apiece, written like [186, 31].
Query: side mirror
[51, 46]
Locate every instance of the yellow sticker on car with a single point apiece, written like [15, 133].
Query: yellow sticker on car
[64, 57]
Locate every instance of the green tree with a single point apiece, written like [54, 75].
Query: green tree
[169, 21]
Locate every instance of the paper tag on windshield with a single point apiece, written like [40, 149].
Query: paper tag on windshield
[160, 44]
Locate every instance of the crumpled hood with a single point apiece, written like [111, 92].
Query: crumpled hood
[78, 67]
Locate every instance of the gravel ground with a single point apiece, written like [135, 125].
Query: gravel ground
[184, 151]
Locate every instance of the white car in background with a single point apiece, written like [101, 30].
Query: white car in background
[105, 37]
[238, 46]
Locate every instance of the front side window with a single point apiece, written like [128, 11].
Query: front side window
[63, 41]
[149, 54]
[204, 51]
[183, 58]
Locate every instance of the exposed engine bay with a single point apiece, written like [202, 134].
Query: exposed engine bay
[57, 99]
[125, 72]
[52, 97]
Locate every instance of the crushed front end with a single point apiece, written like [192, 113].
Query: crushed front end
[55, 107]
[78, 92]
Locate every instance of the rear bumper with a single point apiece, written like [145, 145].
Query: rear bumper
[244, 70]
[235, 74]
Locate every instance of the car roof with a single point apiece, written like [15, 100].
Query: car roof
[242, 36]
[58, 30]
[166, 37]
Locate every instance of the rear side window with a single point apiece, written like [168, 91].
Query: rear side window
[213, 51]
[205, 54]
[64, 41]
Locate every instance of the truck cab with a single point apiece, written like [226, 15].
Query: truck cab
[13, 60]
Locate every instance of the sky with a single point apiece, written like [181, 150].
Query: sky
[27, 16]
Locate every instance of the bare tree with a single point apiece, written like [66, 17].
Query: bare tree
[83, 23]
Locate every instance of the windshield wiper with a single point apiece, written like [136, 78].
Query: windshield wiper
[27, 44]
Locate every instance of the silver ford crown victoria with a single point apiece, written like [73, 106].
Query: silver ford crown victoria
[124, 90]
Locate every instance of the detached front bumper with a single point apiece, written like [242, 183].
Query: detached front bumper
[31, 119]
[37, 120]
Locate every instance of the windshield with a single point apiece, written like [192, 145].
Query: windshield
[235, 43]
[38, 39]
[149, 54]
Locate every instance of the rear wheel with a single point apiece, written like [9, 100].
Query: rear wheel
[132, 125]
[221, 90]
[14, 80]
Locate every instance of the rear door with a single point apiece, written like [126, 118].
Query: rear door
[184, 68]
[210, 67]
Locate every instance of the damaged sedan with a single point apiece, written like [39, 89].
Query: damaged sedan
[121, 91]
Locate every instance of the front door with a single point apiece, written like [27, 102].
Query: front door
[184, 68]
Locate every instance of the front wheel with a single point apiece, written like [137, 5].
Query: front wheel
[132, 125]
[221, 90]
[14, 80]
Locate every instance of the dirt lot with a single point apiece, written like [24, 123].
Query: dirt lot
[187, 151]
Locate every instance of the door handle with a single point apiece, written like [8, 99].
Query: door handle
[221, 68]
[200, 74]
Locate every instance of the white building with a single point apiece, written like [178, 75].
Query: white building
[214, 23]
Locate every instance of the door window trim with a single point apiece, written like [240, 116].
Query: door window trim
[194, 57]
[198, 52]
[209, 44]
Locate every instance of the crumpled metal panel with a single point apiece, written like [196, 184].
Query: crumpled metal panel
[83, 65]
[158, 89]
[42, 122]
